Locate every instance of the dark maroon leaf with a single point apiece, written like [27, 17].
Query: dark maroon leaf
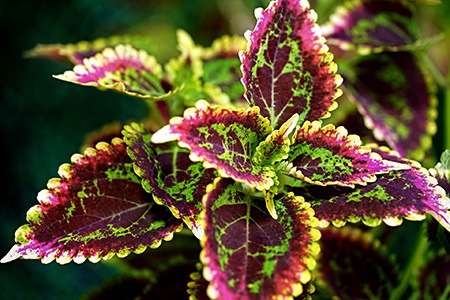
[287, 68]
[250, 255]
[168, 173]
[224, 139]
[434, 278]
[97, 209]
[395, 195]
[396, 98]
[354, 265]
[371, 25]
[329, 156]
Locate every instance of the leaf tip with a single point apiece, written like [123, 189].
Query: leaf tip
[271, 206]
[164, 135]
[13, 254]
[198, 232]
[443, 218]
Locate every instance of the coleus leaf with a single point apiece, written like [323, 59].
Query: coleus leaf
[394, 195]
[248, 254]
[371, 25]
[97, 209]
[442, 171]
[129, 286]
[76, 53]
[123, 69]
[433, 281]
[328, 155]
[221, 66]
[272, 150]
[396, 98]
[183, 249]
[276, 146]
[188, 76]
[355, 266]
[169, 175]
[438, 236]
[185, 72]
[198, 286]
[287, 68]
[353, 121]
[162, 273]
[105, 133]
[189, 61]
[224, 139]
[425, 188]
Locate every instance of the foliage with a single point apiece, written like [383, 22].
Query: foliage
[245, 146]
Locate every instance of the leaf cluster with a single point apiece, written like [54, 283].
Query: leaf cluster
[249, 146]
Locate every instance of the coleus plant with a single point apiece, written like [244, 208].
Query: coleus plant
[237, 150]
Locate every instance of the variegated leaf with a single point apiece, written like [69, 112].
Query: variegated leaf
[433, 280]
[395, 195]
[353, 121]
[438, 236]
[248, 254]
[123, 69]
[160, 274]
[276, 146]
[97, 209]
[189, 61]
[185, 75]
[198, 286]
[396, 98]
[169, 175]
[327, 155]
[76, 53]
[442, 171]
[287, 69]
[105, 133]
[224, 139]
[355, 266]
[372, 25]
[221, 66]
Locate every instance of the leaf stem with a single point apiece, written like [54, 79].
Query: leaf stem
[414, 263]
[435, 73]
[155, 113]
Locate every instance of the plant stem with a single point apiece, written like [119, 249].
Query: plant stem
[414, 263]
[446, 293]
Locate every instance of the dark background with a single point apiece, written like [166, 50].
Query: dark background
[43, 121]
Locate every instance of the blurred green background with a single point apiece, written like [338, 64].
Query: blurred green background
[43, 121]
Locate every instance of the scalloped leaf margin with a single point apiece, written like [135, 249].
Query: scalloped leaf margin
[249, 254]
[95, 210]
[169, 175]
[123, 69]
[287, 68]
[222, 138]
[372, 26]
[395, 195]
[328, 155]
